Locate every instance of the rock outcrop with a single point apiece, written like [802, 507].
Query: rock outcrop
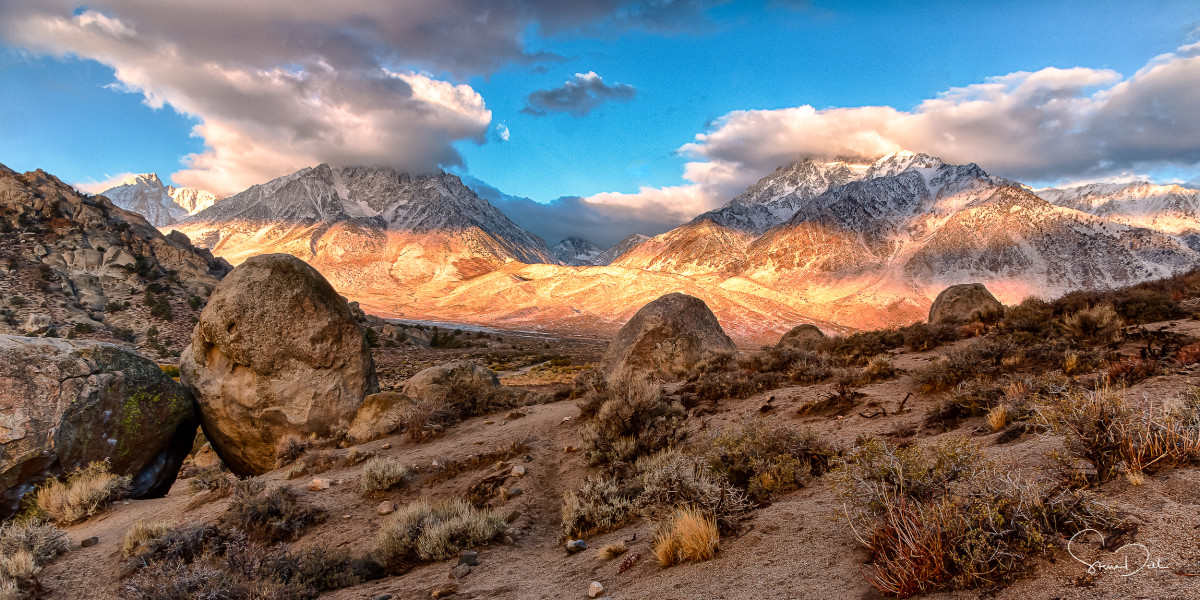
[64, 404]
[435, 380]
[276, 351]
[802, 337]
[378, 415]
[964, 302]
[670, 338]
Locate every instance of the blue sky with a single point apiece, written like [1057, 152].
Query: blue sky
[117, 86]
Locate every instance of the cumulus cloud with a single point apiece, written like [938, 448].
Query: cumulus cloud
[601, 223]
[276, 86]
[578, 96]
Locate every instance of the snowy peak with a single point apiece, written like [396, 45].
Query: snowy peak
[576, 251]
[1173, 209]
[620, 249]
[160, 204]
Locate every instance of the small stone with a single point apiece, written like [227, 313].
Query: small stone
[565, 419]
[518, 471]
[569, 449]
[468, 557]
[444, 590]
[574, 546]
[89, 542]
[508, 540]
[318, 484]
[386, 507]
[488, 422]
[460, 570]
[386, 447]
[595, 589]
[528, 458]
[513, 493]
[346, 516]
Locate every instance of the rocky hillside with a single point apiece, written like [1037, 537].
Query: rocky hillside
[160, 204]
[1171, 209]
[612, 254]
[79, 266]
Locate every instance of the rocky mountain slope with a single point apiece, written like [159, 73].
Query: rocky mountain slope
[608, 256]
[367, 228]
[161, 205]
[78, 265]
[1171, 209]
[576, 251]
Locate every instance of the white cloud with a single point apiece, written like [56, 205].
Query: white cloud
[109, 182]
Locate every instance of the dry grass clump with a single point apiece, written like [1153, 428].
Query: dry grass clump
[799, 365]
[426, 418]
[24, 549]
[423, 532]
[689, 536]
[140, 535]
[1095, 326]
[84, 493]
[921, 337]
[291, 447]
[276, 515]
[611, 551]
[382, 474]
[1101, 428]
[947, 518]
[197, 561]
[765, 457]
[632, 421]
[979, 358]
[1128, 370]
[734, 385]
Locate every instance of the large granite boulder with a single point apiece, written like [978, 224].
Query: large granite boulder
[671, 338]
[963, 303]
[802, 337]
[378, 415]
[64, 404]
[435, 381]
[276, 352]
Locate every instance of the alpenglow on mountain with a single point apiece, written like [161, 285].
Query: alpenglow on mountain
[841, 244]
[368, 229]
[160, 204]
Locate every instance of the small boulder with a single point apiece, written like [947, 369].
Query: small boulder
[386, 507]
[574, 546]
[669, 339]
[435, 381]
[802, 337]
[276, 352]
[66, 403]
[37, 323]
[517, 471]
[89, 542]
[378, 416]
[460, 570]
[595, 589]
[963, 303]
[468, 557]
[318, 484]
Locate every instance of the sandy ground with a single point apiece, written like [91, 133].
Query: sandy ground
[795, 548]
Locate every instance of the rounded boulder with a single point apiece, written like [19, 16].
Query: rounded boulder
[802, 337]
[276, 351]
[67, 403]
[671, 338]
[963, 303]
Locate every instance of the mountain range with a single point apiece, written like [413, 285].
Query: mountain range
[842, 243]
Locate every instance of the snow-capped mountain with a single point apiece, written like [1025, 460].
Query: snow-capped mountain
[1172, 209]
[367, 228]
[608, 256]
[160, 204]
[576, 251]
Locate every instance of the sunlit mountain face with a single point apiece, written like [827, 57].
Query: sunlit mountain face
[844, 244]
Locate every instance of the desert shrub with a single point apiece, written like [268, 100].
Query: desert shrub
[1095, 326]
[311, 464]
[611, 551]
[356, 456]
[423, 532]
[289, 448]
[983, 357]
[1128, 370]
[948, 518]
[602, 504]
[1189, 354]
[843, 397]
[140, 535]
[765, 457]
[170, 370]
[1033, 316]
[1142, 305]
[672, 479]
[920, 337]
[210, 479]
[381, 474]
[879, 368]
[1101, 428]
[24, 549]
[84, 493]
[457, 400]
[860, 347]
[197, 561]
[734, 385]
[273, 516]
[689, 536]
[632, 421]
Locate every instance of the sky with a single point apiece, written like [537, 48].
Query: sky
[596, 118]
